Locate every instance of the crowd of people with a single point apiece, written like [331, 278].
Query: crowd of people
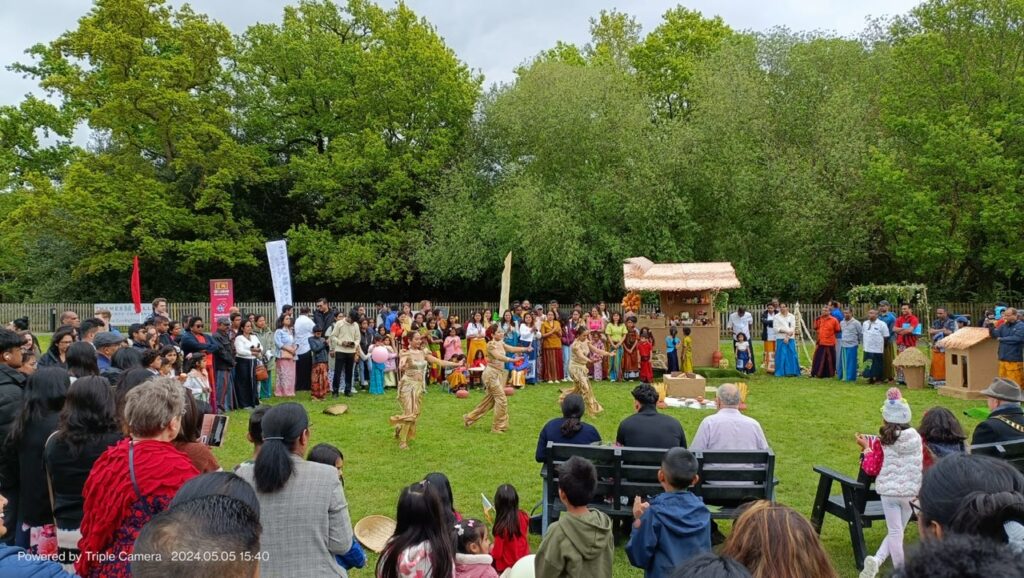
[103, 473]
[842, 341]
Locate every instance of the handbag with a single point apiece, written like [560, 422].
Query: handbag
[261, 372]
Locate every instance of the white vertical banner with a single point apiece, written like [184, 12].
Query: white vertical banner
[280, 276]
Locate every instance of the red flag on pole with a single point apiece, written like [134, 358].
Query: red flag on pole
[136, 286]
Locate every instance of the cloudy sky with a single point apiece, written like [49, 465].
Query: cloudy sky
[492, 36]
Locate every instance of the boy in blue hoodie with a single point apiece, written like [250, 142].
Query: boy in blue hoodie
[674, 526]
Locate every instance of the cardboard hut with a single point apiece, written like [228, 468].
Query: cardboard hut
[687, 290]
[972, 362]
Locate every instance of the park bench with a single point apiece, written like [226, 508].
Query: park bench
[1012, 452]
[625, 472]
[858, 504]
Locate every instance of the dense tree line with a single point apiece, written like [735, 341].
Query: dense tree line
[811, 162]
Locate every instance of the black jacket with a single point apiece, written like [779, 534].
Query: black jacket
[51, 359]
[996, 430]
[324, 320]
[34, 496]
[649, 429]
[69, 470]
[224, 356]
[12, 384]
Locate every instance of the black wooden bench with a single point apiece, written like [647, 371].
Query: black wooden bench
[624, 473]
[858, 504]
[1012, 452]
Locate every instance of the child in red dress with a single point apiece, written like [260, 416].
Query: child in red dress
[645, 348]
[511, 527]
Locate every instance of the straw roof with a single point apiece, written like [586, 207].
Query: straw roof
[640, 274]
[965, 338]
[910, 357]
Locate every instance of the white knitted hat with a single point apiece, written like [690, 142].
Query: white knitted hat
[895, 409]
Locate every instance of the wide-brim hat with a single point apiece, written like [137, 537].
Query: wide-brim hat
[375, 531]
[1003, 389]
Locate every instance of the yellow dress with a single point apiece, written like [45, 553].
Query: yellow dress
[687, 365]
[494, 378]
[410, 391]
[579, 356]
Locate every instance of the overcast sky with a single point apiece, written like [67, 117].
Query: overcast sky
[491, 36]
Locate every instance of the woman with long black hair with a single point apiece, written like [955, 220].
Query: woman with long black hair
[303, 507]
[422, 545]
[568, 429]
[40, 409]
[248, 351]
[81, 360]
[88, 425]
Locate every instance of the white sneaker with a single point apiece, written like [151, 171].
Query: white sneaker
[870, 567]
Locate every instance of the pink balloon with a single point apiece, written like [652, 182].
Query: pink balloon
[379, 354]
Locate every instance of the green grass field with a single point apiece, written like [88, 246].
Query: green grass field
[807, 422]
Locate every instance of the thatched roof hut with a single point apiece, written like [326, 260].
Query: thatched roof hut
[640, 274]
[965, 338]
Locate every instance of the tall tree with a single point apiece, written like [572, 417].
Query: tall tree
[361, 109]
[947, 180]
[668, 57]
[149, 81]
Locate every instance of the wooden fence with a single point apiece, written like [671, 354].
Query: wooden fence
[43, 317]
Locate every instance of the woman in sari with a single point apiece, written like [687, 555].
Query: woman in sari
[630, 355]
[616, 333]
[786, 362]
[551, 348]
[284, 341]
[476, 339]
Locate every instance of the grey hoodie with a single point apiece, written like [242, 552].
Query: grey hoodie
[577, 546]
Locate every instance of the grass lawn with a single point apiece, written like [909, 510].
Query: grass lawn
[807, 422]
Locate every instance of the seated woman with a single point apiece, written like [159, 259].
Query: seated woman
[303, 508]
[568, 429]
[133, 480]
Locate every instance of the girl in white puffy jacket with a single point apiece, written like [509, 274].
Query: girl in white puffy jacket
[899, 479]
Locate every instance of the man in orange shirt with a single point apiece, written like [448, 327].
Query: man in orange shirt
[826, 326]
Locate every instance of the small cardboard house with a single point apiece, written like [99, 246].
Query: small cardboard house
[687, 290]
[972, 362]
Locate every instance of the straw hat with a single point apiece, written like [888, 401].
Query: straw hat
[336, 409]
[375, 531]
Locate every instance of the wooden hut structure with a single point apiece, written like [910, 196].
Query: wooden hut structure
[972, 362]
[684, 288]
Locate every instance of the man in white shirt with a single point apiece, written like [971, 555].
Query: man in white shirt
[728, 429]
[876, 333]
[740, 321]
[304, 325]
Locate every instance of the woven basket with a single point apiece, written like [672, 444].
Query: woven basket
[375, 531]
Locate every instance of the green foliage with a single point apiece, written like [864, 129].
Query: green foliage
[361, 109]
[669, 56]
[811, 162]
[894, 294]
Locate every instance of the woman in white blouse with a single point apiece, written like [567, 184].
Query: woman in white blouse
[476, 336]
[247, 351]
[527, 334]
[784, 325]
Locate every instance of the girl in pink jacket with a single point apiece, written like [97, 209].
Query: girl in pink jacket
[473, 550]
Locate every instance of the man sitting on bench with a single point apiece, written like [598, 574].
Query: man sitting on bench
[728, 429]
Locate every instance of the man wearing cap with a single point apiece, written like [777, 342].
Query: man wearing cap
[1011, 346]
[106, 344]
[224, 364]
[1006, 422]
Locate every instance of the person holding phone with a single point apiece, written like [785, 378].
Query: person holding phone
[344, 340]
